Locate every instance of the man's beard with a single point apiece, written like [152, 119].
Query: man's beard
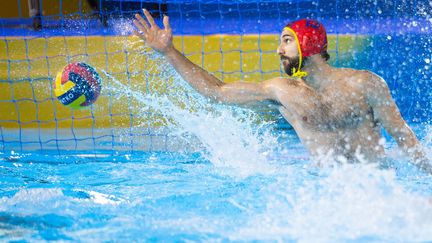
[293, 63]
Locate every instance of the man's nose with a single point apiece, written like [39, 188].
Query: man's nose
[280, 51]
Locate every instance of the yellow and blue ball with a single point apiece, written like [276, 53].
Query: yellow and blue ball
[78, 85]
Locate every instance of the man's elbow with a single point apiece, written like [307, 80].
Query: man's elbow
[224, 94]
[218, 94]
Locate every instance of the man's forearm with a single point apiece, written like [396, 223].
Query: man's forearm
[205, 83]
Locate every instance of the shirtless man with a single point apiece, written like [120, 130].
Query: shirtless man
[334, 111]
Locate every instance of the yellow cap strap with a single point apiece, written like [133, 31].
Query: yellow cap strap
[297, 72]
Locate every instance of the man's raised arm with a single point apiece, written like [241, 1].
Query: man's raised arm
[208, 85]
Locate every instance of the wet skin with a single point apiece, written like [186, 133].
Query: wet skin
[336, 120]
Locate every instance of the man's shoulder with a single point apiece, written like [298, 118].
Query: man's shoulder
[372, 81]
[370, 84]
[355, 73]
[278, 85]
[362, 78]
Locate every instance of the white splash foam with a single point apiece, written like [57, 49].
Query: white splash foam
[100, 198]
[28, 201]
[36, 195]
[230, 138]
[122, 26]
[350, 203]
[428, 138]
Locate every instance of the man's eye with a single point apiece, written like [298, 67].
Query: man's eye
[287, 40]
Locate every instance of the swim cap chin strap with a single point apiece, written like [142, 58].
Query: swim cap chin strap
[297, 72]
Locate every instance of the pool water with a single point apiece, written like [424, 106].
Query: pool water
[185, 196]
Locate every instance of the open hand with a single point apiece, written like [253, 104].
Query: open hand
[158, 39]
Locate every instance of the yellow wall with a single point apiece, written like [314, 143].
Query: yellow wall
[10, 8]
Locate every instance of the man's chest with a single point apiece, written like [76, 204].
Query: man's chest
[329, 110]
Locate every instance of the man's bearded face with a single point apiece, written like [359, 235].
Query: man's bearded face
[289, 63]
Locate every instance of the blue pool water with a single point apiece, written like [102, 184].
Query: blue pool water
[179, 196]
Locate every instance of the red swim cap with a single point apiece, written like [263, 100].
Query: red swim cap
[311, 35]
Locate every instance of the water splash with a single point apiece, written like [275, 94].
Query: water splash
[122, 26]
[428, 138]
[351, 202]
[357, 201]
[32, 200]
[229, 135]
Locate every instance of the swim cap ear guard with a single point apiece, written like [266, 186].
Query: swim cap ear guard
[311, 39]
[297, 72]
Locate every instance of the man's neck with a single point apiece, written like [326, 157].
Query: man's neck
[319, 73]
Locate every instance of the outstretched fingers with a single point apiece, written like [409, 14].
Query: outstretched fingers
[150, 18]
[141, 24]
[142, 21]
[166, 23]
